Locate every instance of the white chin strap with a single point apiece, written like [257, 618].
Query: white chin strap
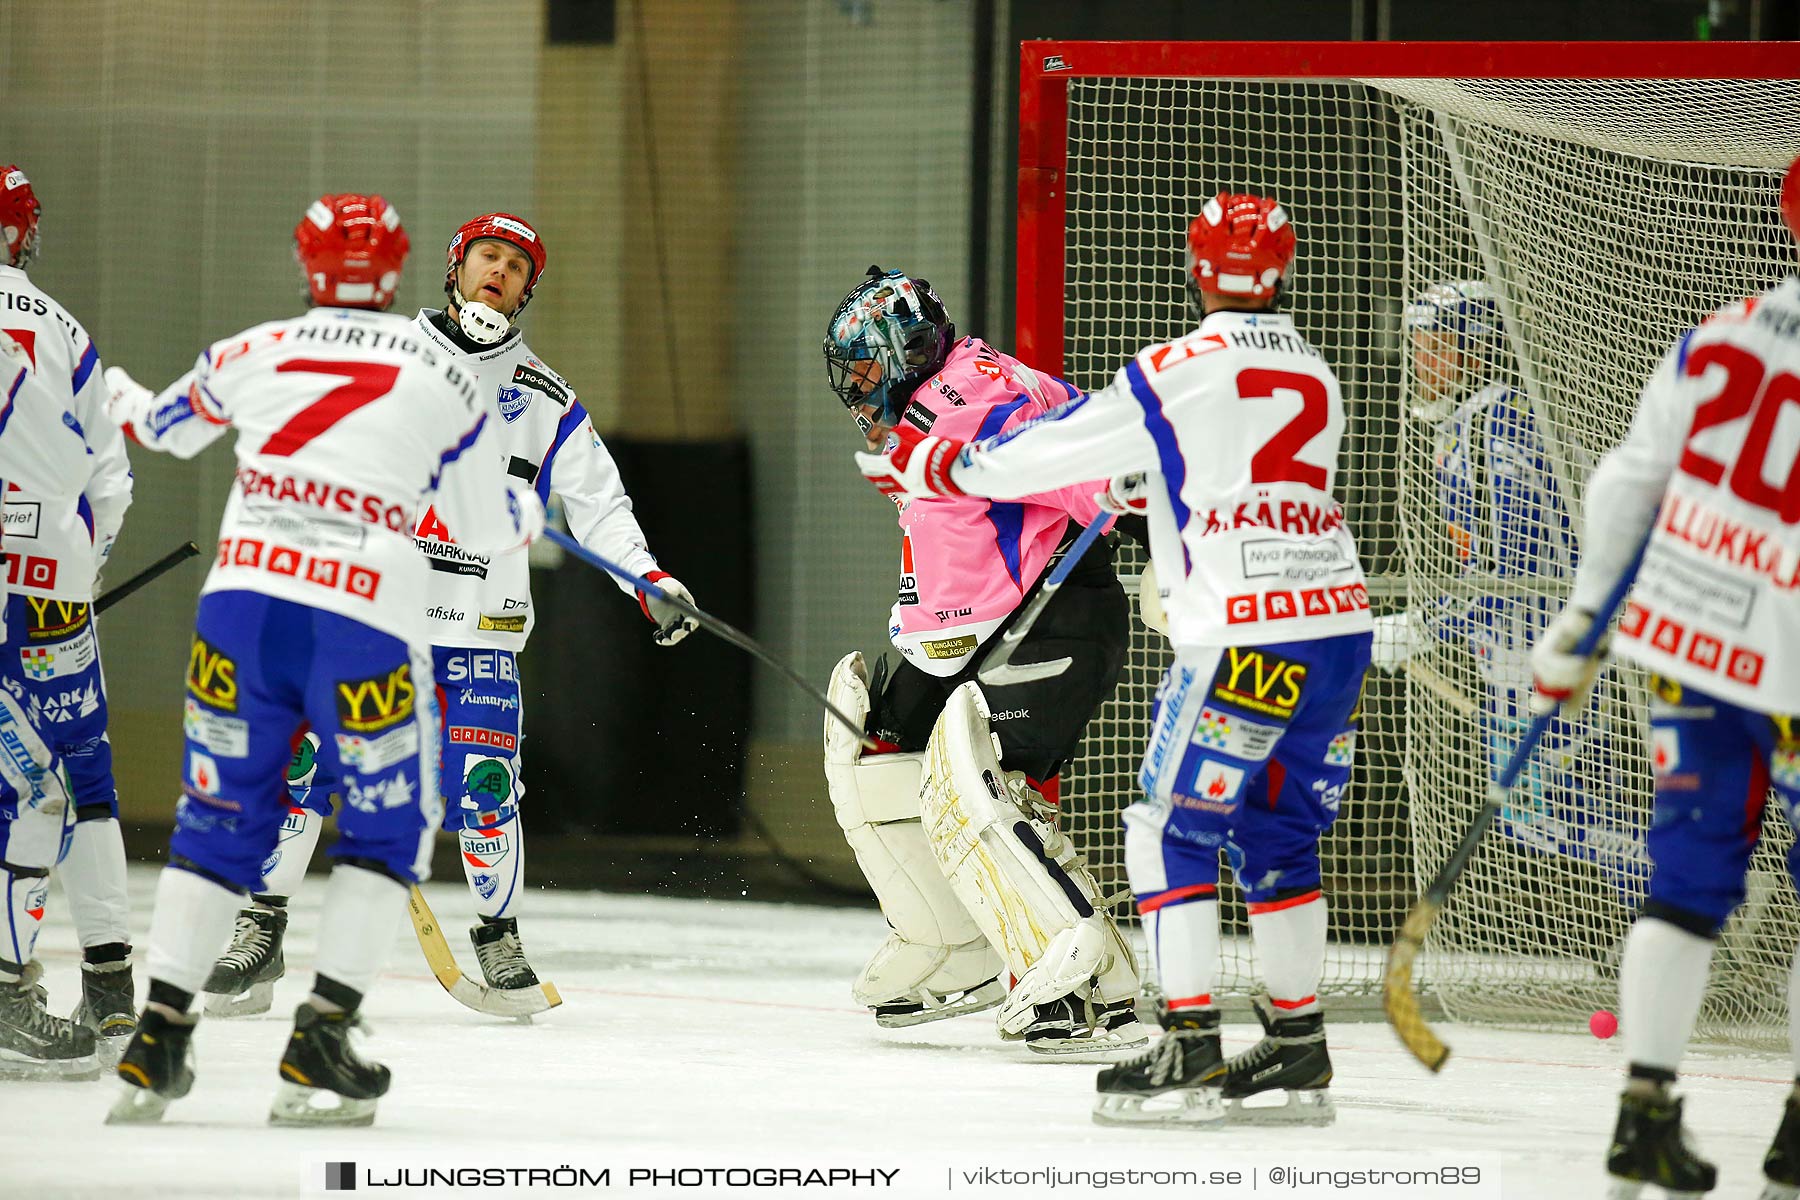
[481, 322]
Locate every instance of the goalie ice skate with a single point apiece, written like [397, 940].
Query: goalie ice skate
[926, 1005]
[1082, 1025]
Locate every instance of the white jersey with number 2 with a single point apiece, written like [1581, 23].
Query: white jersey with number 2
[347, 421]
[1237, 426]
[1713, 459]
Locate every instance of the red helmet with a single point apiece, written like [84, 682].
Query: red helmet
[352, 248]
[1239, 245]
[19, 209]
[1790, 197]
[506, 228]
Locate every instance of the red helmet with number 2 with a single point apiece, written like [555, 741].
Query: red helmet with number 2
[506, 228]
[352, 248]
[19, 209]
[1790, 198]
[1240, 245]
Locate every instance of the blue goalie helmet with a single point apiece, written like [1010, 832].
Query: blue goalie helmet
[885, 339]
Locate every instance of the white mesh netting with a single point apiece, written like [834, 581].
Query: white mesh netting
[1599, 219]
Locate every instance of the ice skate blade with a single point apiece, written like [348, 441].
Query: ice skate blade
[137, 1106]
[1302, 1106]
[49, 1070]
[297, 1105]
[989, 995]
[1131, 1036]
[112, 1049]
[260, 998]
[1189, 1108]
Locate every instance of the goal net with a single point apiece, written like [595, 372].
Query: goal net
[1590, 220]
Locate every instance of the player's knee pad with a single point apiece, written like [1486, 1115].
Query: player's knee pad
[935, 943]
[1017, 875]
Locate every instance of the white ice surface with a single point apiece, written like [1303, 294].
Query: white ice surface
[692, 1027]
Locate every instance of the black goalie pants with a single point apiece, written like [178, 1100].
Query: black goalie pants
[1039, 723]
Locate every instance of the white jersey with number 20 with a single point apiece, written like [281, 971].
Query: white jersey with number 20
[1713, 458]
[1237, 426]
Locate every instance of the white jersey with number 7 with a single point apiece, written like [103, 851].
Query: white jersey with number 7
[1238, 426]
[1713, 458]
[346, 419]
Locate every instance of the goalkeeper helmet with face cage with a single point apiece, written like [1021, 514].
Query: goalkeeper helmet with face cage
[19, 211]
[885, 338]
[1240, 246]
[1459, 344]
[1466, 308]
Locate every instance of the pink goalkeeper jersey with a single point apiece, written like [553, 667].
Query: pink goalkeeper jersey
[967, 562]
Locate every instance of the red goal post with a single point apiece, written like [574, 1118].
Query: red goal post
[1603, 196]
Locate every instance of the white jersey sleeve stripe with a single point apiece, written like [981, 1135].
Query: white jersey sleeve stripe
[1168, 452]
[570, 422]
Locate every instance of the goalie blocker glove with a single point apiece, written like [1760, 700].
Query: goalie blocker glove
[1562, 678]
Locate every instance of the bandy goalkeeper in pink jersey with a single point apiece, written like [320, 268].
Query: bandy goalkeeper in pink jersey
[974, 896]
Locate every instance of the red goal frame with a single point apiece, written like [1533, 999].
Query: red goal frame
[1045, 68]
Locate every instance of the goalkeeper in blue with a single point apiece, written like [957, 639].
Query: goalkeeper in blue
[1507, 530]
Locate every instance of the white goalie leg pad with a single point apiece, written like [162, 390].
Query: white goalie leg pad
[935, 946]
[1017, 875]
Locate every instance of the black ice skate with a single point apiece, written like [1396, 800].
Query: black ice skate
[1781, 1165]
[36, 1045]
[157, 1067]
[926, 1005]
[107, 1007]
[1080, 1024]
[242, 982]
[323, 1082]
[1649, 1146]
[1175, 1083]
[1292, 1061]
[501, 955]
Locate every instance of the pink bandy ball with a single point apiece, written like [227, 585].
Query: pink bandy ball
[1603, 1024]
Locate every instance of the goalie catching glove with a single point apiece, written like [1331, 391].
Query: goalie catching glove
[1562, 678]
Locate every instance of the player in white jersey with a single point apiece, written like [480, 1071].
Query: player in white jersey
[1710, 470]
[50, 660]
[51, 444]
[479, 609]
[348, 422]
[1236, 428]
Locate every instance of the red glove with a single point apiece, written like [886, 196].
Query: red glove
[915, 465]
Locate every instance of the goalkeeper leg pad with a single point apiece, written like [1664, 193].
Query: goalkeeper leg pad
[935, 962]
[1023, 882]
